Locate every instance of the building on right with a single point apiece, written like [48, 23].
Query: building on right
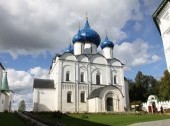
[161, 18]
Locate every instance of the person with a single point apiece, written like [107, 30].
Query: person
[161, 109]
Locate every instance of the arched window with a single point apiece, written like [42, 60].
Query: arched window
[82, 97]
[69, 96]
[67, 76]
[115, 79]
[98, 79]
[82, 77]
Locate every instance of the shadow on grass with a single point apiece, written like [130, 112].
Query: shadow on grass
[73, 121]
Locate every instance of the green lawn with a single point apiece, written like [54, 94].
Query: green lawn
[103, 119]
[10, 119]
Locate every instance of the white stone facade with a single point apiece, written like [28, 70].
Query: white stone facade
[83, 81]
[162, 20]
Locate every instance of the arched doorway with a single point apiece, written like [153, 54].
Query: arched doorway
[109, 104]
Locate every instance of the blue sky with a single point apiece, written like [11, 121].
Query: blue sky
[32, 32]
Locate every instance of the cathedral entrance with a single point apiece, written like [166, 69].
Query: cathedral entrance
[109, 104]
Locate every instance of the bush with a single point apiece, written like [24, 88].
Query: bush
[57, 114]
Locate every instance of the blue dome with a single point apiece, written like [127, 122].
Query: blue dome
[87, 35]
[69, 49]
[106, 43]
[78, 38]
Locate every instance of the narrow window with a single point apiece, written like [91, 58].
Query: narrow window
[82, 96]
[97, 79]
[115, 79]
[67, 76]
[82, 77]
[69, 97]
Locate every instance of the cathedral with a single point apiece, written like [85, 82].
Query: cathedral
[5, 93]
[82, 79]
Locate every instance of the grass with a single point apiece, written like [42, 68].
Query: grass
[103, 119]
[10, 119]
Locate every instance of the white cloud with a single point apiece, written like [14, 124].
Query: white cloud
[135, 53]
[155, 58]
[33, 27]
[21, 82]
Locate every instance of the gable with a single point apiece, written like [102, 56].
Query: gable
[68, 56]
[98, 59]
[82, 58]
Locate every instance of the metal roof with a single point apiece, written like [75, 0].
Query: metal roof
[106, 43]
[43, 83]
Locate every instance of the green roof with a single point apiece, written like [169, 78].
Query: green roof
[4, 85]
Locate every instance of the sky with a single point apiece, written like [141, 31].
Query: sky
[33, 31]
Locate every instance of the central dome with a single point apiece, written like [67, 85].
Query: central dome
[87, 35]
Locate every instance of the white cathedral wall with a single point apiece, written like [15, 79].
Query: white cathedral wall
[101, 70]
[94, 105]
[69, 67]
[44, 99]
[68, 63]
[65, 106]
[82, 105]
[108, 53]
[78, 48]
[90, 48]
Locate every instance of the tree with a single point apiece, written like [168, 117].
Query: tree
[164, 90]
[142, 87]
[21, 106]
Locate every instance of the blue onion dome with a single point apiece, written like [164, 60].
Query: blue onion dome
[69, 49]
[87, 35]
[106, 43]
[78, 38]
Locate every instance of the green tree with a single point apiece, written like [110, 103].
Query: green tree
[21, 106]
[164, 90]
[132, 92]
[142, 87]
[153, 88]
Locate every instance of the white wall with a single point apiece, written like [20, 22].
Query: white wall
[78, 48]
[108, 52]
[5, 101]
[164, 24]
[90, 48]
[94, 105]
[44, 99]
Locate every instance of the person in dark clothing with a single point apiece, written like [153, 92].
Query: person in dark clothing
[161, 109]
